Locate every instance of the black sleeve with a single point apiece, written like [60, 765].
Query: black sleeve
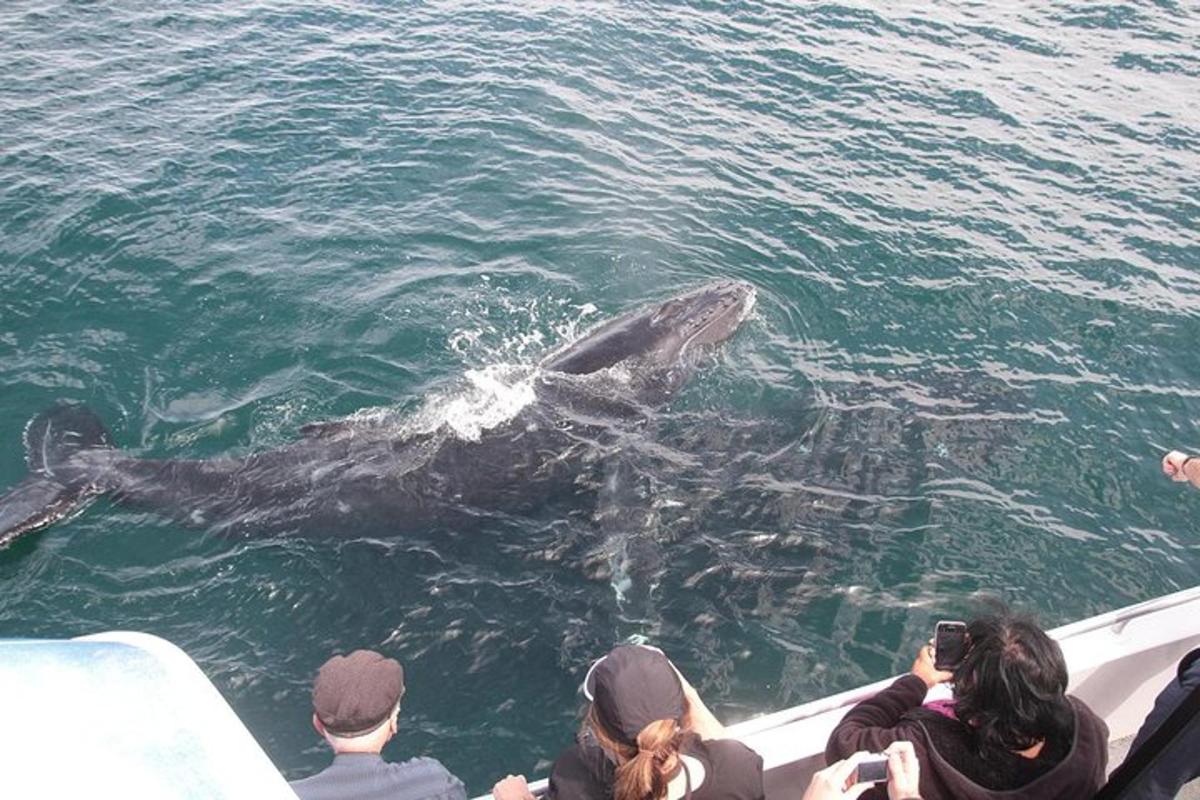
[1180, 762]
[875, 723]
[737, 770]
[573, 778]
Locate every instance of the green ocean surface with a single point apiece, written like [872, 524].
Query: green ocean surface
[974, 233]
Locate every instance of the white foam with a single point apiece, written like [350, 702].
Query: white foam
[497, 390]
[488, 397]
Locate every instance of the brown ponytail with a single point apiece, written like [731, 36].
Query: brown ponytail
[643, 772]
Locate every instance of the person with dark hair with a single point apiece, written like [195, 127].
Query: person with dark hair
[646, 735]
[356, 706]
[1010, 726]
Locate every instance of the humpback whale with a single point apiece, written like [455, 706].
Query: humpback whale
[369, 470]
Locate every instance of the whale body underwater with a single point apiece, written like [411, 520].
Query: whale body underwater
[370, 472]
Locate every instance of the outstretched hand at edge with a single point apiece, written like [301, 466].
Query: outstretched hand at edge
[1176, 466]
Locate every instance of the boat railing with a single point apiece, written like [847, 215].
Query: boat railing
[1118, 661]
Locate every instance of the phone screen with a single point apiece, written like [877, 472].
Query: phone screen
[949, 644]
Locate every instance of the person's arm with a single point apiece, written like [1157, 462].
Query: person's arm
[871, 725]
[1181, 467]
[1178, 765]
[697, 717]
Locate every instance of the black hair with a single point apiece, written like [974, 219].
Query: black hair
[1011, 686]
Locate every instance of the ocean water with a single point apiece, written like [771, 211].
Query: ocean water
[974, 232]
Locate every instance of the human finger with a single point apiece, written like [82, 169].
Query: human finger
[830, 783]
[904, 772]
[923, 667]
[856, 790]
[840, 771]
[901, 754]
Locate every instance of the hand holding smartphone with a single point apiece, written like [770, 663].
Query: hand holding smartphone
[949, 644]
[872, 769]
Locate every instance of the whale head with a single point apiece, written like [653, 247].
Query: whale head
[660, 344]
[683, 326]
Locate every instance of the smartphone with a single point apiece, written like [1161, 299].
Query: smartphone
[872, 769]
[949, 644]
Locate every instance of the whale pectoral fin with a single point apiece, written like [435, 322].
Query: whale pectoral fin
[626, 515]
[37, 502]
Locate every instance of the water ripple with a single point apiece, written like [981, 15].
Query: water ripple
[973, 229]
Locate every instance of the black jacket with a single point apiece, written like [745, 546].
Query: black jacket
[732, 771]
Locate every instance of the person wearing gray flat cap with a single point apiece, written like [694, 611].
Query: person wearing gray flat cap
[356, 709]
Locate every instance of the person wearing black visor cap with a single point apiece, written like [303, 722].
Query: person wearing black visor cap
[647, 735]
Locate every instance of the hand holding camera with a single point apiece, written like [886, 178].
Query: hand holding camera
[904, 774]
[852, 776]
[897, 765]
